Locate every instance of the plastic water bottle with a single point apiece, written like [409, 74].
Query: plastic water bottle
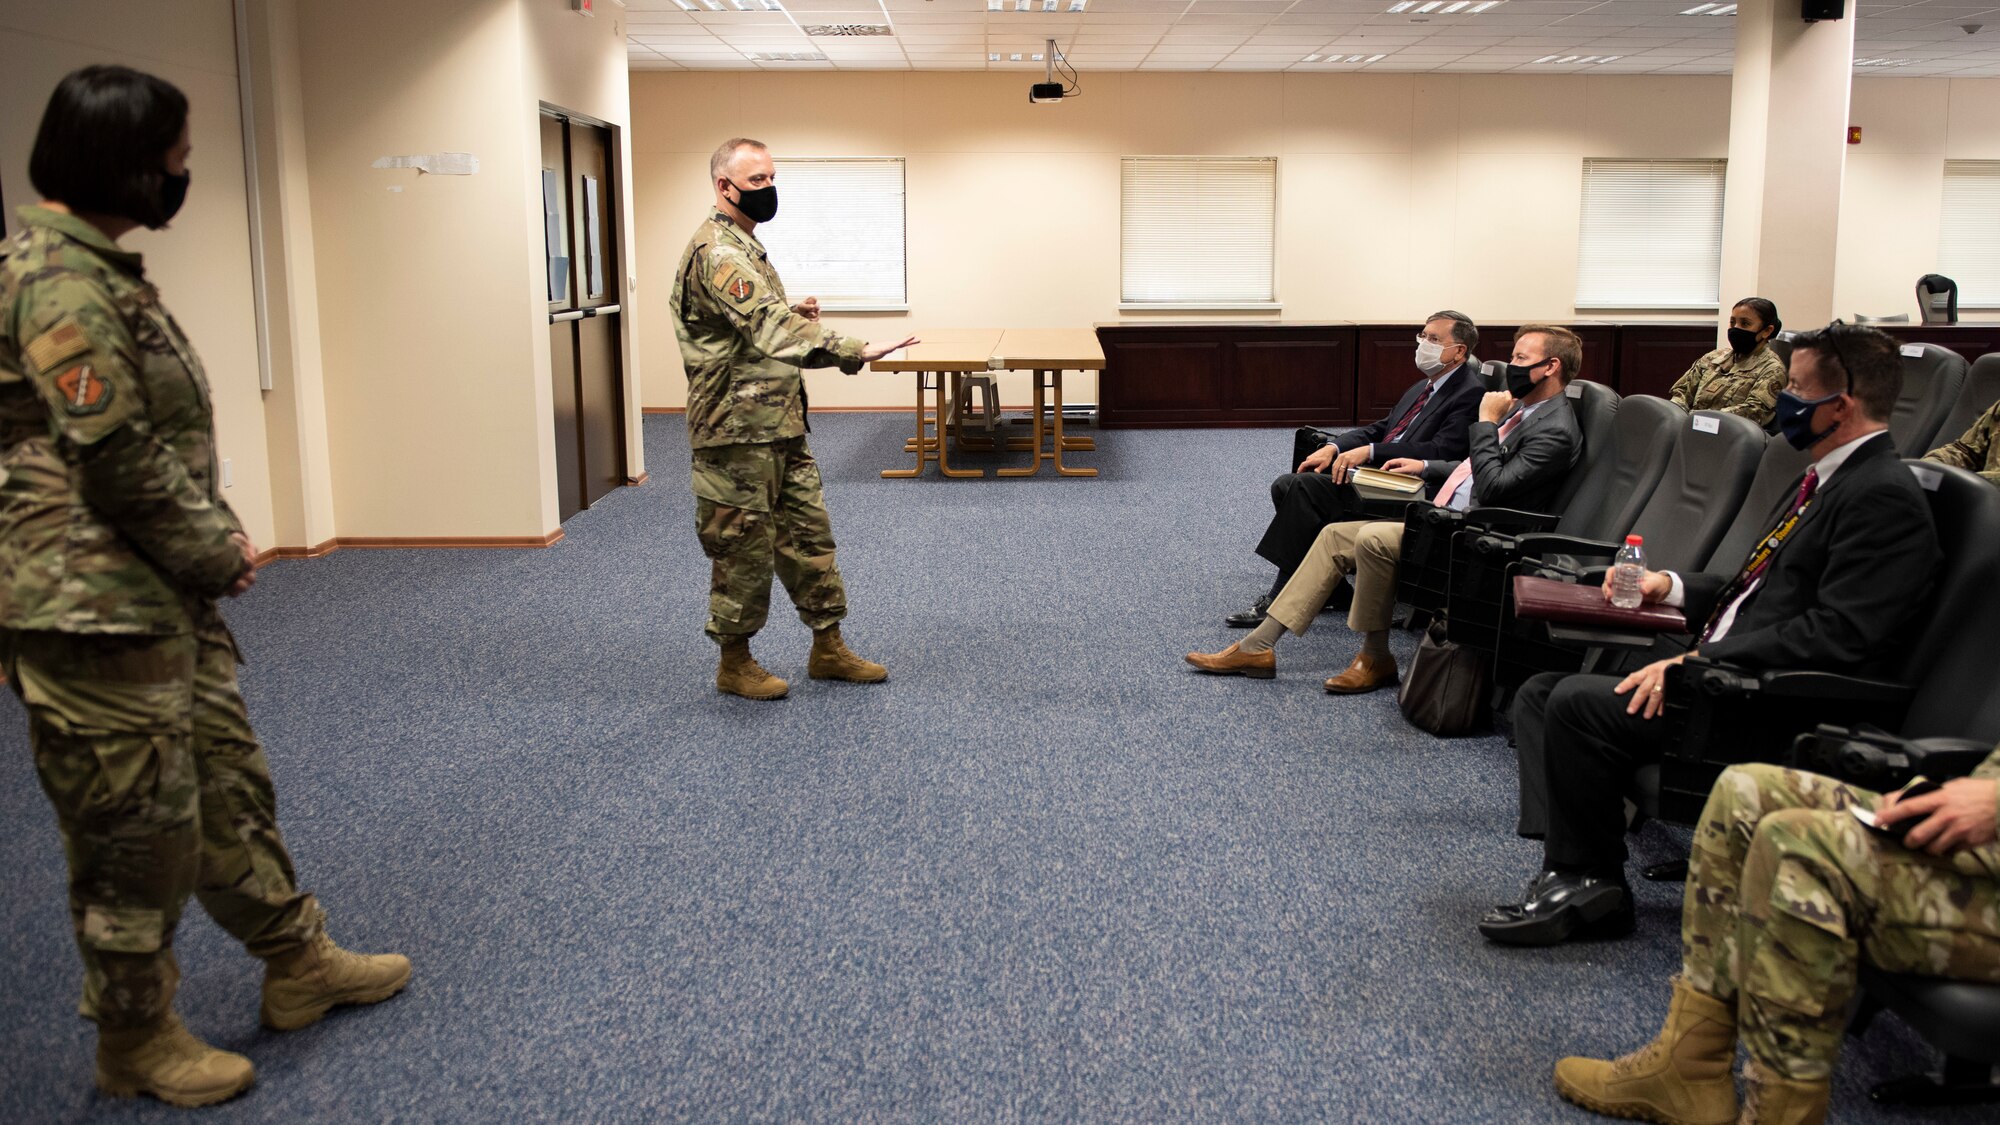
[1628, 572]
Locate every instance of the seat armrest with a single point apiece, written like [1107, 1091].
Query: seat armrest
[1802, 684]
[1510, 520]
[1549, 543]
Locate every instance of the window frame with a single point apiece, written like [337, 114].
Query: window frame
[1599, 304]
[1967, 299]
[1273, 304]
[902, 164]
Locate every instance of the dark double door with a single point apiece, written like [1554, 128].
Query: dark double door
[586, 325]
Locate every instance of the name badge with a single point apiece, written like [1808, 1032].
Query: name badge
[1707, 425]
[1913, 351]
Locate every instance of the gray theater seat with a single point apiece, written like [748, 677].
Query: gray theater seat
[1932, 376]
[1980, 390]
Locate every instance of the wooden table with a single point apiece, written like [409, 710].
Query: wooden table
[1048, 352]
[944, 352]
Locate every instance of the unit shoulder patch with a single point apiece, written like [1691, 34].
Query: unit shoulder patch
[736, 288]
[65, 341]
[84, 391]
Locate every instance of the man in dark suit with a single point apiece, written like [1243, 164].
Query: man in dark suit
[1428, 423]
[1850, 552]
[1524, 443]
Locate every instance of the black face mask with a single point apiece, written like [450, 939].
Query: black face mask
[758, 206]
[173, 192]
[1742, 341]
[1521, 380]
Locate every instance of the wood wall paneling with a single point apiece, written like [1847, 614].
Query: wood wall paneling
[1385, 365]
[1652, 357]
[1159, 378]
[1968, 340]
[1284, 377]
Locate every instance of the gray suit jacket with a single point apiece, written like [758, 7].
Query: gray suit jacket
[1526, 470]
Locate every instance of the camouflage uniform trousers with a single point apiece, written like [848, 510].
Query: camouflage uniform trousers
[758, 508]
[160, 788]
[1786, 894]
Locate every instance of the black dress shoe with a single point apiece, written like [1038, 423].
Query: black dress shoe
[1252, 617]
[1561, 906]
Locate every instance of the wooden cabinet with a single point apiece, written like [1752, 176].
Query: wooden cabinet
[1653, 357]
[1226, 375]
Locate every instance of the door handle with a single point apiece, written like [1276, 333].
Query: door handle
[601, 310]
[573, 314]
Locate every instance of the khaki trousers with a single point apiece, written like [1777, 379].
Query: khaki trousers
[1367, 549]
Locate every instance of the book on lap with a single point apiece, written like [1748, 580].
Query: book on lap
[1382, 481]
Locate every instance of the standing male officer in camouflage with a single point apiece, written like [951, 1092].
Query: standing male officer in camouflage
[1786, 892]
[757, 489]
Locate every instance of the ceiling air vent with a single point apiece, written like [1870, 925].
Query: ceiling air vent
[848, 29]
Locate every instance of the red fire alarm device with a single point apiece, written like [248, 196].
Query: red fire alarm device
[587, 7]
[1853, 131]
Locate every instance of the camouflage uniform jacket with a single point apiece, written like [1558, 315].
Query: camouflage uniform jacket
[1976, 449]
[109, 517]
[742, 344]
[1746, 386]
[1989, 770]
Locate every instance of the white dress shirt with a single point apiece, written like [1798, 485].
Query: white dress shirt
[1461, 497]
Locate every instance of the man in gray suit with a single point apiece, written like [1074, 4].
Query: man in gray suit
[1524, 443]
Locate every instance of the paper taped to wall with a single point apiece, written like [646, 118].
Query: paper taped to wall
[436, 163]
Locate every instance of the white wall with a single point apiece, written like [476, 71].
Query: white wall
[1894, 193]
[1398, 194]
[201, 264]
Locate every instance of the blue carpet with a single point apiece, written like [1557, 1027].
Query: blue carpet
[1044, 874]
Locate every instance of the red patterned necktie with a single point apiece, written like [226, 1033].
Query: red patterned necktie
[1410, 415]
[1760, 559]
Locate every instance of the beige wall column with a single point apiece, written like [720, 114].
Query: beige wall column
[1788, 121]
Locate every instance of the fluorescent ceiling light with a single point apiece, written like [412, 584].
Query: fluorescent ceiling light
[1433, 6]
[1048, 5]
[685, 6]
[1546, 59]
[1377, 58]
[1310, 58]
[1015, 57]
[1404, 6]
[1482, 6]
[1567, 59]
[1076, 5]
[1699, 9]
[1725, 10]
[994, 57]
[993, 5]
[713, 5]
[1456, 5]
[1611, 58]
[1354, 58]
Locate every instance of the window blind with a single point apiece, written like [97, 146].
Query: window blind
[1651, 234]
[1969, 235]
[1198, 230]
[839, 235]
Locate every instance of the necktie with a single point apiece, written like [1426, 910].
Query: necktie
[1759, 561]
[1410, 415]
[1458, 475]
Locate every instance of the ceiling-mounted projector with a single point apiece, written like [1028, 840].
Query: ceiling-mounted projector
[1042, 93]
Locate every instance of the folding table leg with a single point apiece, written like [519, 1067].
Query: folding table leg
[922, 445]
[943, 457]
[1034, 445]
[1055, 378]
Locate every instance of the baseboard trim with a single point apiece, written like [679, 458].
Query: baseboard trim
[375, 542]
[642, 478]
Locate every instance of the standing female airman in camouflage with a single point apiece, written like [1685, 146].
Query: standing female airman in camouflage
[114, 545]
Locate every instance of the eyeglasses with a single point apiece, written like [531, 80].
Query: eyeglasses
[1833, 342]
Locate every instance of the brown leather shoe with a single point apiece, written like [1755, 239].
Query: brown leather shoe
[1233, 662]
[1364, 675]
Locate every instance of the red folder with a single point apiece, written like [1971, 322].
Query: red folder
[1545, 599]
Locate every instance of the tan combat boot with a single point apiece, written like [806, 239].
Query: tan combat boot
[302, 984]
[1683, 1077]
[165, 1060]
[832, 660]
[740, 674]
[1772, 1099]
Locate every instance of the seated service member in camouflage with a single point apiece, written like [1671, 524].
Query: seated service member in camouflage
[1787, 891]
[1743, 378]
[1977, 449]
[114, 544]
[758, 506]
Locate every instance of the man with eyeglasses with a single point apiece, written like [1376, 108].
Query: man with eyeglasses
[1850, 552]
[1431, 422]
